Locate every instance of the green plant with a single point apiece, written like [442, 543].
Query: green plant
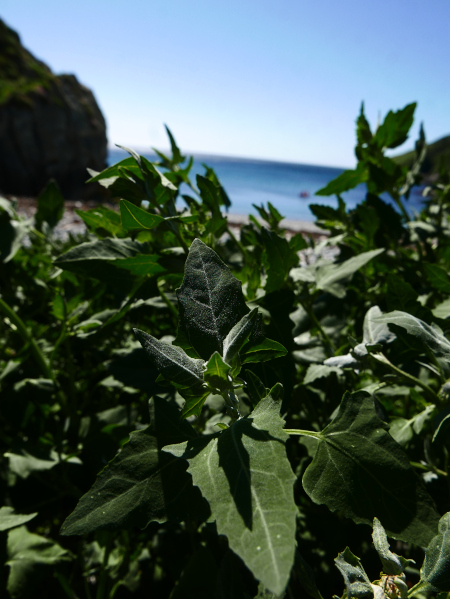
[296, 408]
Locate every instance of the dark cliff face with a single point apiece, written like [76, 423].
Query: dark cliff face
[50, 126]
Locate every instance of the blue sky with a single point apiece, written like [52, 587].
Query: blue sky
[268, 79]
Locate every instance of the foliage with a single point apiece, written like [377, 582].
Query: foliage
[187, 412]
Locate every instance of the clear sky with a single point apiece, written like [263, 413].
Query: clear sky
[276, 79]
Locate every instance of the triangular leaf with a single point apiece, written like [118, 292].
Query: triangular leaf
[140, 484]
[135, 218]
[361, 471]
[239, 335]
[233, 470]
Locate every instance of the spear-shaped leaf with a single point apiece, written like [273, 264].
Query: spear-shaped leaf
[239, 335]
[141, 484]
[236, 472]
[216, 373]
[356, 580]
[173, 362]
[210, 301]
[134, 218]
[361, 471]
[392, 563]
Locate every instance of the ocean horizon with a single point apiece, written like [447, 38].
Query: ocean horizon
[288, 186]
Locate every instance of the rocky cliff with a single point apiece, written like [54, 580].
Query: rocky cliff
[50, 126]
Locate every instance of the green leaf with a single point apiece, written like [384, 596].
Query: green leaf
[374, 332]
[24, 464]
[345, 181]
[319, 371]
[28, 556]
[363, 132]
[134, 218]
[12, 234]
[142, 265]
[356, 580]
[102, 218]
[255, 387]
[210, 301]
[442, 310]
[392, 563]
[96, 258]
[177, 156]
[428, 335]
[216, 373]
[261, 351]
[330, 277]
[9, 518]
[305, 574]
[401, 295]
[357, 456]
[247, 479]
[394, 130]
[50, 206]
[435, 572]
[141, 484]
[173, 362]
[280, 259]
[239, 335]
[437, 277]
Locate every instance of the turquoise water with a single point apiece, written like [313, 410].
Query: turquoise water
[250, 182]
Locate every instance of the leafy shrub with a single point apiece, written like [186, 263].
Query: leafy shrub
[262, 418]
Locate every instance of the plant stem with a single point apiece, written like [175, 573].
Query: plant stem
[310, 311]
[167, 301]
[101, 589]
[428, 468]
[302, 433]
[26, 336]
[381, 358]
[418, 588]
[38, 356]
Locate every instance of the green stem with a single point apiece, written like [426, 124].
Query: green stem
[38, 356]
[430, 468]
[26, 336]
[381, 358]
[310, 311]
[167, 301]
[302, 433]
[422, 585]
[101, 589]
[237, 242]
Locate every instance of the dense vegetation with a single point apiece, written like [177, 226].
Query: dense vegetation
[273, 414]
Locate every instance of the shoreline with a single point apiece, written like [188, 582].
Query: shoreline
[71, 222]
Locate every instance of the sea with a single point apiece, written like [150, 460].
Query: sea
[290, 187]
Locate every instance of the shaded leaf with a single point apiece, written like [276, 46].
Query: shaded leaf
[361, 471]
[437, 277]
[9, 518]
[216, 373]
[263, 350]
[280, 259]
[28, 554]
[435, 572]
[50, 206]
[394, 129]
[356, 580]
[419, 329]
[210, 301]
[141, 484]
[172, 361]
